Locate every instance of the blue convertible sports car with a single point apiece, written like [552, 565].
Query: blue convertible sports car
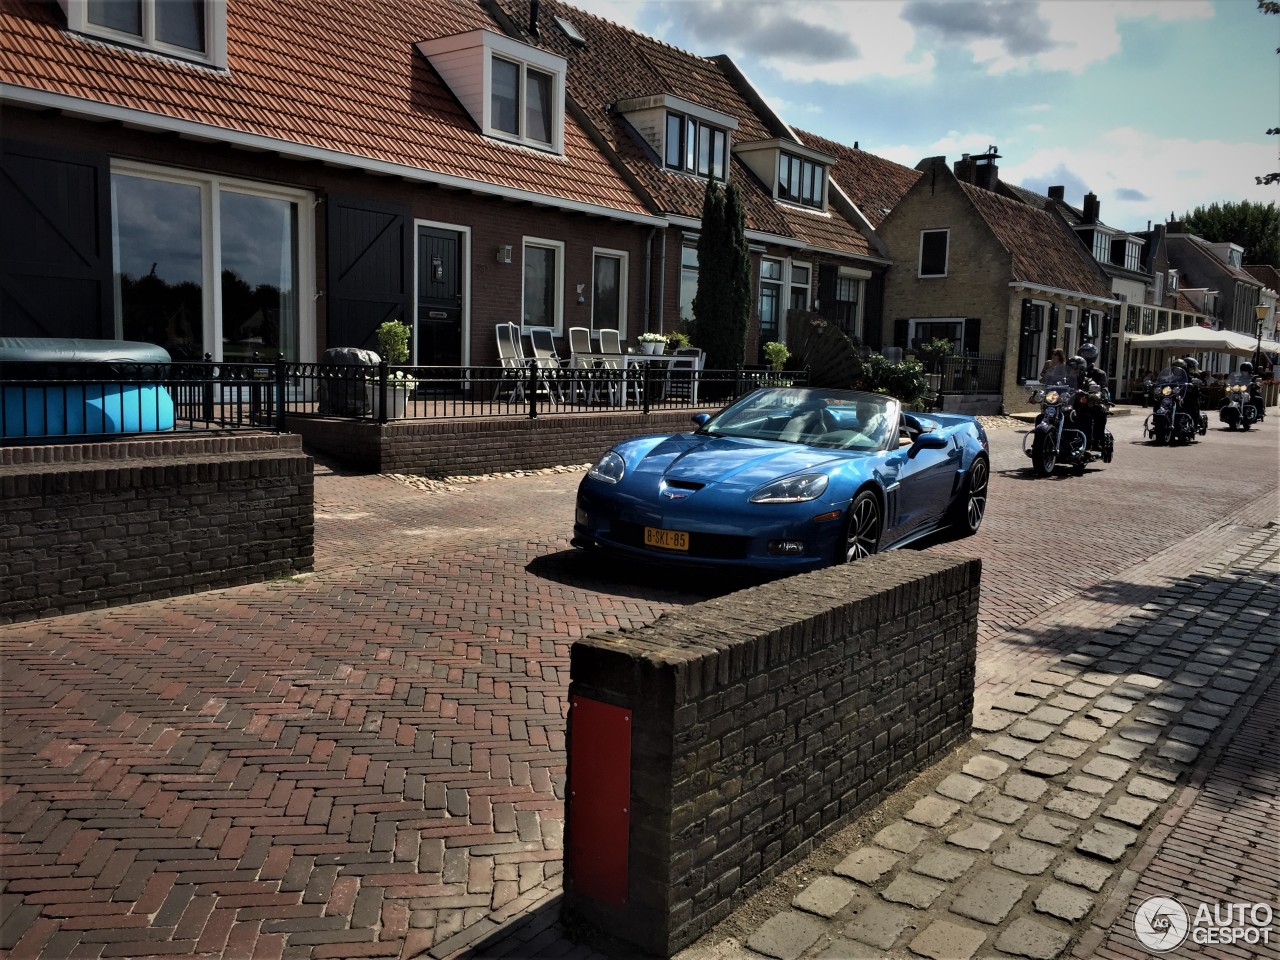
[787, 479]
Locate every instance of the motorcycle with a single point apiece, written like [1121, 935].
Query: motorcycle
[1240, 408]
[1061, 433]
[1169, 421]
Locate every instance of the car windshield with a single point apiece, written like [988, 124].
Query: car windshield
[840, 419]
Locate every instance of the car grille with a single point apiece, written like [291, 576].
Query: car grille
[707, 546]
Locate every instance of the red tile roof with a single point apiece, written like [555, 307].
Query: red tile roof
[617, 63]
[339, 76]
[1043, 249]
[874, 184]
[1265, 274]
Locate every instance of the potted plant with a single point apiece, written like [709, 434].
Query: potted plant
[678, 340]
[652, 343]
[393, 345]
[777, 356]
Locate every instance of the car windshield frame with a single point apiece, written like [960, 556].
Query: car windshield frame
[811, 416]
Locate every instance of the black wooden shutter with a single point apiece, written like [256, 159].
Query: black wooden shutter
[901, 326]
[370, 269]
[827, 291]
[1052, 342]
[873, 313]
[972, 334]
[56, 277]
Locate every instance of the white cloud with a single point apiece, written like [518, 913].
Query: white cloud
[1175, 174]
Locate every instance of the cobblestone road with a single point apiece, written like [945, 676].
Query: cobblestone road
[368, 761]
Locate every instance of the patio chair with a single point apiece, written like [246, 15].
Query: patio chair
[683, 372]
[545, 357]
[611, 358]
[610, 341]
[512, 360]
[582, 356]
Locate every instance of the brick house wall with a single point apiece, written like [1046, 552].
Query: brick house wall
[495, 289]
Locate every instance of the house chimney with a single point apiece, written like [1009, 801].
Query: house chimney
[1058, 193]
[981, 170]
[1091, 207]
[533, 17]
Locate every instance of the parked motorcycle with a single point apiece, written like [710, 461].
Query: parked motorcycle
[1240, 408]
[1169, 422]
[1061, 434]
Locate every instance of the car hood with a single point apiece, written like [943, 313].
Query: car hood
[731, 461]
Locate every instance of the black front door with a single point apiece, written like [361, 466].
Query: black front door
[439, 320]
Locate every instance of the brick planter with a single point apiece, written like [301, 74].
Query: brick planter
[715, 747]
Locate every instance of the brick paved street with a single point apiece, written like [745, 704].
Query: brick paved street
[368, 761]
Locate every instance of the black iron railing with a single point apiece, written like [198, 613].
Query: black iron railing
[102, 401]
[971, 375]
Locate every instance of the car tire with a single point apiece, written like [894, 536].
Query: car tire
[862, 528]
[971, 506]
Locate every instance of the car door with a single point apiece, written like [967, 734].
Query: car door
[925, 476]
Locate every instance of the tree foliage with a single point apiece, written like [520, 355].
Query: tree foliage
[1254, 226]
[722, 304]
[1270, 6]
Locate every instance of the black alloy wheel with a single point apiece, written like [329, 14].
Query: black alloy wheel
[862, 527]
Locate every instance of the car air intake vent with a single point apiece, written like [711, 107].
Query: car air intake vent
[683, 485]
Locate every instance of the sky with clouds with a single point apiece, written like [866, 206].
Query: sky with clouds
[1156, 106]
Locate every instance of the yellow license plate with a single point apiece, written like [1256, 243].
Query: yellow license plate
[666, 539]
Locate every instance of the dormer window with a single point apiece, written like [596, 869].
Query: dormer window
[186, 29]
[801, 181]
[798, 173]
[513, 91]
[521, 101]
[697, 147]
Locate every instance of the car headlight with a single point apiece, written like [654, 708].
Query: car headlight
[808, 486]
[608, 468]
[1051, 397]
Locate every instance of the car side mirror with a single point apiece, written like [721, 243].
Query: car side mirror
[700, 419]
[927, 441]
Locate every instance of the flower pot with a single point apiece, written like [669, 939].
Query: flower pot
[397, 401]
[653, 349]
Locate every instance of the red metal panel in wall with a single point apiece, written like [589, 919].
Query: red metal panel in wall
[599, 799]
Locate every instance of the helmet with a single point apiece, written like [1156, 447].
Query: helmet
[1076, 363]
[1246, 367]
[1178, 362]
[1193, 364]
[1089, 351]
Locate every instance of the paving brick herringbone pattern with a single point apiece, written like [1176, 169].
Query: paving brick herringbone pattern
[368, 761]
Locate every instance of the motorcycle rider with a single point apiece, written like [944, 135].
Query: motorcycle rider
[1097, 411]
[1088, 412]
[1195, 382]
[1255, 387]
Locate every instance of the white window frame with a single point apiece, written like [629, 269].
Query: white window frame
[557, 328]
[793, 285]
[624, 271]
[211, 248]
[915, 323]
[525, 58]
[816, 202]
[215, 31]
[946, 260]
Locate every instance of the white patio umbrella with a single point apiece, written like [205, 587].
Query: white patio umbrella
[1205, 340]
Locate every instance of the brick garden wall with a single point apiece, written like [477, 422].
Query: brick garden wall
[760, 722]
[439, 448]
[101, 524]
